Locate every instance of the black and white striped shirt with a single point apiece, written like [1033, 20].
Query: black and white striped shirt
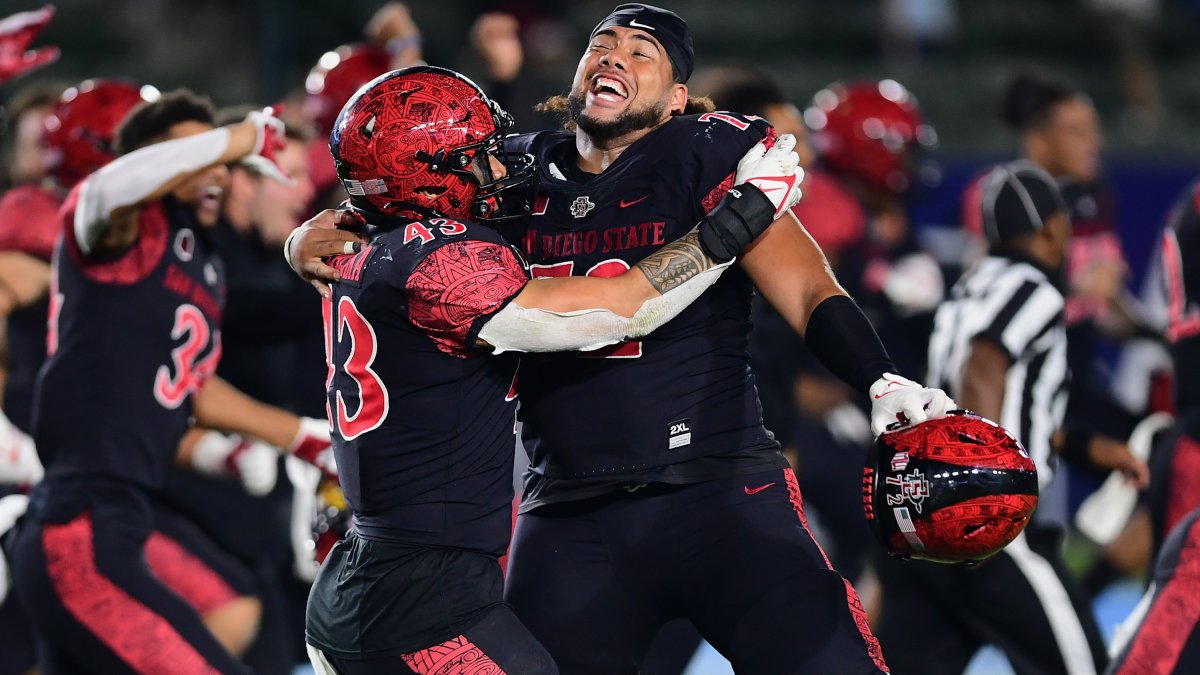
[1016, 306]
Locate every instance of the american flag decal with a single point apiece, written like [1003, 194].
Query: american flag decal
[362, 188]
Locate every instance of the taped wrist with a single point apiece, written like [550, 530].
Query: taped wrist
[743, 214]
[840, 335]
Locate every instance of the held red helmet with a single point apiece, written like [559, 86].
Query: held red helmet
[415, 143]
[869, 130]
[335, 78]
[79, 131]
[953, 490]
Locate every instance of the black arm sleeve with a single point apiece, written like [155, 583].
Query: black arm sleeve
[840, 335]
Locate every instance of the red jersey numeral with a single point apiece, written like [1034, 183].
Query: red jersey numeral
[606, 269]
[728, 119]
[371, 393]
[190, 326]
[446, 226]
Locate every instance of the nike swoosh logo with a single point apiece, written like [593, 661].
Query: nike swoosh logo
[625, 204]
[760, 488]
[634, 24]
[889, 390]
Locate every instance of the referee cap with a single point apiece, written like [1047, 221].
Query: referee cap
[1018, 197]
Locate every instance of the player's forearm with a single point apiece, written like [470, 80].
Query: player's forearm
[111, 195]
[983, 380]
[220, 406]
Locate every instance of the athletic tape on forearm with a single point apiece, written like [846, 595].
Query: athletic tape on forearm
[130, 179]
[743, 214]
[521, 329]
[840, 335]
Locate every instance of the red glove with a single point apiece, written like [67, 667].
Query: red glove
[16, 32]
[271, 140]
[313, 445]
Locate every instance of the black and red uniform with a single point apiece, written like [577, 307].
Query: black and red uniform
[423, 433]
[1175, 465]
[131, 338]
[654, 490]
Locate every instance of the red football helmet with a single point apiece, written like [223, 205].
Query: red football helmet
[869, 130]
[953, 490]
[335, 78]
[80, 129]
[415, 143]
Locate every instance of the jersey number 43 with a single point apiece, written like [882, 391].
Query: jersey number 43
[358, 402]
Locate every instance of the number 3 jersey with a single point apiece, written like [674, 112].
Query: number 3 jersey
[422, 421]
[131, 337]
[680, 404]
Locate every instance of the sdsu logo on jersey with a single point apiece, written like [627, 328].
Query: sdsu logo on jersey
[581, 206]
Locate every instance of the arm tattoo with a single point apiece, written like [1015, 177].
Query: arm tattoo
[676, 263]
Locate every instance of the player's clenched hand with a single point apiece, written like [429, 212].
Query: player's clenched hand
[255, 465]
[898, 399]
[775, 172]
[319, 238]
[16, 32]
[271, 139]
[314, 445]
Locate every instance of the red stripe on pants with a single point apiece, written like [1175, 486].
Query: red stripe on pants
[187, 575]
[137, 635]
[1172, 618]
[456, 656]
[852, 601]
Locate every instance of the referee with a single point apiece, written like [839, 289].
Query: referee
[999, 348]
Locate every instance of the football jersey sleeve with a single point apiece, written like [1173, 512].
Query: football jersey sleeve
[131, 265]
[29, 221]
[720, 141]
[456, 287]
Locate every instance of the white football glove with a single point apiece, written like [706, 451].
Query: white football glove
[254, 464]
[19, 462]
[314, 445]
[305, 479]
[12, 507]
[898, 399]
[775, 172]
[271, 139]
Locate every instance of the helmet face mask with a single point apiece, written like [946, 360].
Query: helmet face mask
[952, 490]
[416, 143]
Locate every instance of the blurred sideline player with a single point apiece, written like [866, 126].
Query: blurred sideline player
[1164, 637]
[423, 421]
[627, 518]
[78, 140]
[999, 346]
[136, 294]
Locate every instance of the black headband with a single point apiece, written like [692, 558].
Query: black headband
[1018, 197]
[667, 27]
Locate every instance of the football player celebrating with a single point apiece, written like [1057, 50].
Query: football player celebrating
[655, 491]
[135, 299]
[422, 421]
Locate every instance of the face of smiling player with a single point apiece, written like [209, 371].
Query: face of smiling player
[624, 84]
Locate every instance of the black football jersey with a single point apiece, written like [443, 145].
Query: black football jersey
[1180, 261]
[130, 339]
[422, 421]
[648, 410]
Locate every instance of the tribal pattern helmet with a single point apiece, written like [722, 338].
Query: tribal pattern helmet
[869, 131]
[956, 489]
[335, 78]
[415, 143]
[80, 129]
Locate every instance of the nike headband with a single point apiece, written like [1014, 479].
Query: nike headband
[667, 27]
[1018, 197]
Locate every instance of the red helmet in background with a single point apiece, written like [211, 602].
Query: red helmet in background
[335, 78]
[869, 130]
[415, 143]
[956, 489]
[81, 128]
